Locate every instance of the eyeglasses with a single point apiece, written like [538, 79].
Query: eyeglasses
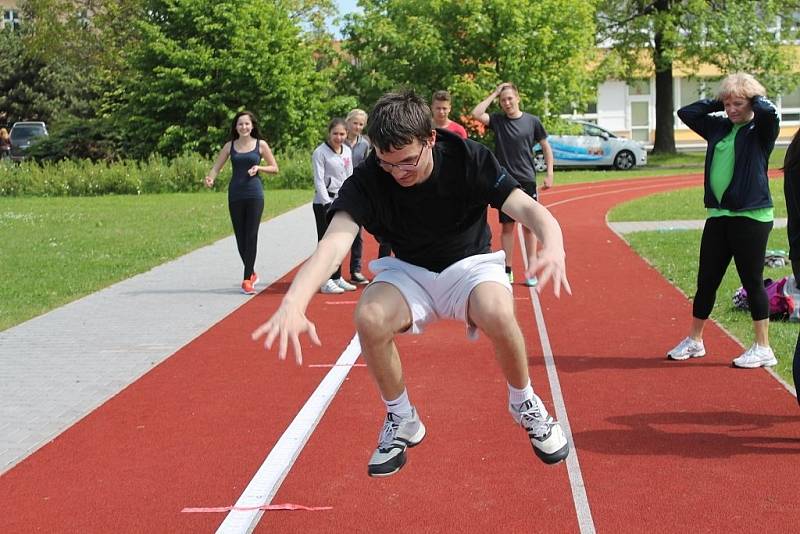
[389, 167]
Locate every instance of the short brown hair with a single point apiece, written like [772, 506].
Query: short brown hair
[442, 96]
[398, 119]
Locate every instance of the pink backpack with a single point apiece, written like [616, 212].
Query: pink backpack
[781, 299]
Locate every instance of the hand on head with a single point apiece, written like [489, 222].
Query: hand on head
[502, 86]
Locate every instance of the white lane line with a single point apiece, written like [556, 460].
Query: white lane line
[579, 497]
[265, 483]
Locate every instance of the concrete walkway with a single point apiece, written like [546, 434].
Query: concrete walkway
[58, 367]
[666, 226]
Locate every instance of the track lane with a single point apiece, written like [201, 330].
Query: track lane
[665, 446]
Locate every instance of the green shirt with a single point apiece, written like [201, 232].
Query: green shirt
[721, 176]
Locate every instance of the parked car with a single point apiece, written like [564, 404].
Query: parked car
[22, 135]
[595, 147]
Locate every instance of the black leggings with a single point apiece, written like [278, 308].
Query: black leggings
[356, 250]
[246, 218]
[744, 240]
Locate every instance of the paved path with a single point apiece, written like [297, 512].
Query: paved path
[60, 366]
[644, 226]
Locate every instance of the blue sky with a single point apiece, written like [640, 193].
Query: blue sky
[345, 7]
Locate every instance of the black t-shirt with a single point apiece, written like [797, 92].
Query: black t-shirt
[440, 221]
[515, 139]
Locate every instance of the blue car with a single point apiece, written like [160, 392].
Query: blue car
[595, 147]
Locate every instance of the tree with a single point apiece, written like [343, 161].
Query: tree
[36, 89]
[543, 46]
[200, 61]
[652, 36]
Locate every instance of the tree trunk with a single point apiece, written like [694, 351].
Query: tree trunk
[665, 119]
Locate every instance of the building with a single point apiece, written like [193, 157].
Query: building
[11, 13]
[628, 109]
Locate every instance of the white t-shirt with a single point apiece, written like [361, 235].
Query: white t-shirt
[330, 171]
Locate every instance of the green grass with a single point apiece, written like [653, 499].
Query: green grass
[674, 255]
[686, 203]
[55, 250]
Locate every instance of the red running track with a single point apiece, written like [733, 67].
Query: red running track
[662, 446]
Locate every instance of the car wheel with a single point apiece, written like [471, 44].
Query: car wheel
[539, 165]
[624, 160]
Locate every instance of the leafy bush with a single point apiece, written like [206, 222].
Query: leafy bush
[157, 174]
[295, 171]
[94, 139]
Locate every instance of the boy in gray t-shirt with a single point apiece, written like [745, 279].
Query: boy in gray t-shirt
[516, 133]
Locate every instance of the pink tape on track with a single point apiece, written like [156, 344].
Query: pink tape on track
[266, 508]
[337, 365]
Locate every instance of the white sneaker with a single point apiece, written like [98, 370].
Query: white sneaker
[331, 287]
[687, 348]
[396, 435]
[545, 434]
[344, 284]
[756, 356]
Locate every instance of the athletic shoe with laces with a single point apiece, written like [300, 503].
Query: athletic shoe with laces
[331, 287]
[247, 287]
[359, 279]
[344, 284]
[397, 434]
[254, 279]
[756, 356]
[687, 348]
[547, 438]
[532, 281]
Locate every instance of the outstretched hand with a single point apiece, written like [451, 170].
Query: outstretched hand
[547, 266]
[286, 325]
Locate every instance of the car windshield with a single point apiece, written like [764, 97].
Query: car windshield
[22, 133]
[595, 131]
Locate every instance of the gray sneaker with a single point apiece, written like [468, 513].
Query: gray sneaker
[687, 348]
[548, 440]
[395, 436]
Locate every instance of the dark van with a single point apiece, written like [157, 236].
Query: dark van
[22, 135]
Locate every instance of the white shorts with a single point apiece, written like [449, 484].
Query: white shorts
[431, 296]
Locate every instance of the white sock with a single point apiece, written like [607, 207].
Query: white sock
[400, 406]
[516, 397]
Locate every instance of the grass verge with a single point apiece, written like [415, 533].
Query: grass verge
[55, 250]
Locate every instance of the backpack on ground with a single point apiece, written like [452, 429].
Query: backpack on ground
[783, 295]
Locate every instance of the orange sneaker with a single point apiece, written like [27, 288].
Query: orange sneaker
[247, 288]
[254, 279]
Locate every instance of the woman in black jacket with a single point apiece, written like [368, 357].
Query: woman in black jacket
[791, 190]
[740, 213]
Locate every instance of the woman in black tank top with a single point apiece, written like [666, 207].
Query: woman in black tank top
[246, 149]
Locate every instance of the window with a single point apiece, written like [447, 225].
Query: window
[83, 18]
[791, 100]
[691, 91]
[11, 18]
[639, 87]
[790, 106]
